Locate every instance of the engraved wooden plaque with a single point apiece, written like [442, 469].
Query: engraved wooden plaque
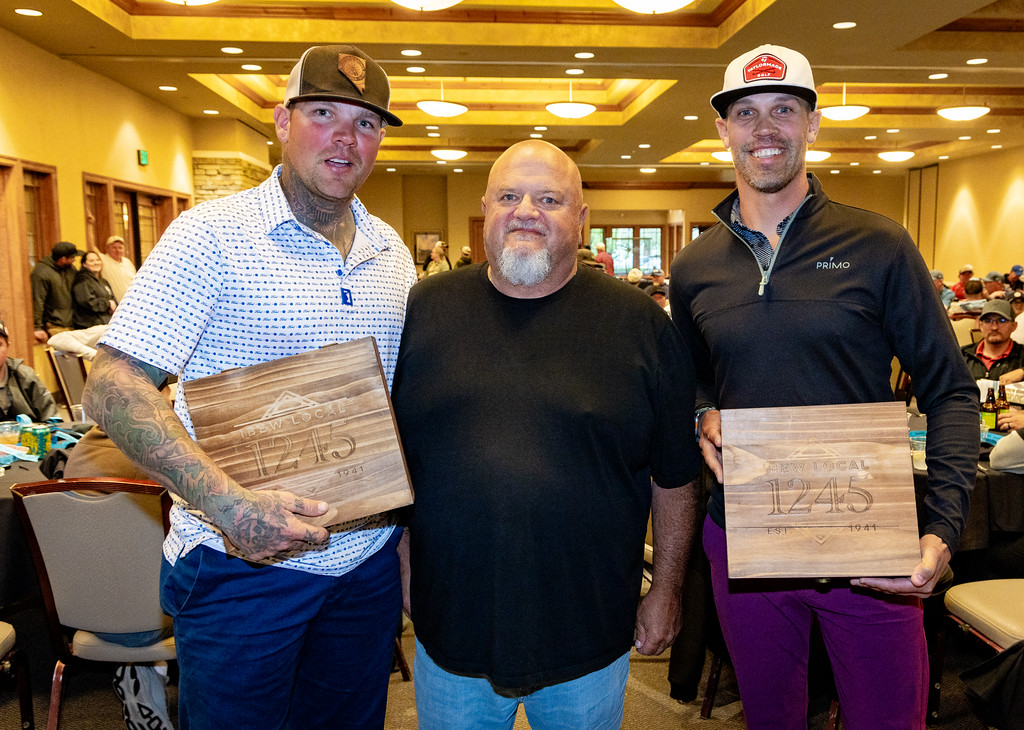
[318, 424]
[819, 491]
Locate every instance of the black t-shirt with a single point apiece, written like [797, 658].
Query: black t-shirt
[532, 428]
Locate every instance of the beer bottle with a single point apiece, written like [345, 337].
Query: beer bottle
[989, 411]
[1002, 405]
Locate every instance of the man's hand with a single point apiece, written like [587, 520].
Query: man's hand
[658, 620]
[41, 336]
[934, 559]
[710, 427]
[1014, 376]
[264, 523]
[1010, 420]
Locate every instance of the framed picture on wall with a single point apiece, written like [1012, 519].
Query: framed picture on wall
[425, 242]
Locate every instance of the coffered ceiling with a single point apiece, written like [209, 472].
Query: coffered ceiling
[650, 77]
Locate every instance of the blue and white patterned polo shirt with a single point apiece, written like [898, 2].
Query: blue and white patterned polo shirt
[239, 281]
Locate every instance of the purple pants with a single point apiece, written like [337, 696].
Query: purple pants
[875, 642]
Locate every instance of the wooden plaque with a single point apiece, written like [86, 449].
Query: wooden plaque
[318, 424]
[819, 491]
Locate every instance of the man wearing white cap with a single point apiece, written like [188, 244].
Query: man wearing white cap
[788, 302]
[278, 623]
[118, 269]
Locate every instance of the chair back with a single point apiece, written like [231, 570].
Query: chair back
[70, 371]
[97, 552]
[964, 330]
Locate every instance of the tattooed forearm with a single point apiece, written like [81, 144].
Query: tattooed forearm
[122, 398]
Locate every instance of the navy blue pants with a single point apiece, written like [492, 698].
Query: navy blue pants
[268, 647]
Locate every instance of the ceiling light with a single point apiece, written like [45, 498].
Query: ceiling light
[536, 135]
[433, 134]
[833, 172]
[442, 108]
[723, 156]
[168, 88]
[871, 136]
[432, 126]
[192, 2]
[936, 77]
[644, 146]
[705, 163]
[583, 55]
[997, 146]
[648, 170]
[441, 162]
[211, 112]
[816, 155]
[232, 50]
[625, 157]
[894, 130]
[574, 71]
[964, 138]
[963, 113]
[844, 25]
[691, 118]
[29, 12]
[896, 155]
[426, 4]
[943, 157]
[993, 131]
[976, 61]
[270, 142]
[251, 67]
[389, 169]
[411, 52]
[415, 69]
[571, 109]
[448, 154]
[876, 172]
[653, 7]
[540, 129]
[854, 164]
[844, 112]
[457, 169]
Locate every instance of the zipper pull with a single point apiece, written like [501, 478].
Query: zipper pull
[764, 281]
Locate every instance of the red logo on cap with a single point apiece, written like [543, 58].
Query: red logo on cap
[765, 66]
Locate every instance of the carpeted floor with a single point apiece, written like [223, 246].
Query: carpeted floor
[90, 703]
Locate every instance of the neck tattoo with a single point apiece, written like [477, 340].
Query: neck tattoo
[334, 221]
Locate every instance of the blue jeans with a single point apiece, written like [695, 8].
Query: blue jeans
[446, 701]
[268, 647]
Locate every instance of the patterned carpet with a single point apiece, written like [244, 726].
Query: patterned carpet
[90, 703]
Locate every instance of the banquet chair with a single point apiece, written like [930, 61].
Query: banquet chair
[13, 662]
[70, 372]
[97, 554]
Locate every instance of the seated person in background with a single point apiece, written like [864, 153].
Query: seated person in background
[996, 357]
[1008, 453]
[140, 687]
[660, 296]
[78, 342]
[946, 294]
[21, 390]
[966, 273]
[993, 282]
[657, 279]
[92, 299]
[634, 276]
[971, 303]
[1017, 305]
[437, 262]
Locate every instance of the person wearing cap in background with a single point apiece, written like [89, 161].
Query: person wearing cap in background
[788, 301]
[997, 356]
[278, 622]
[52, 278]
[1016, 300]
[993, 282]
[21, 390]
[466, 258]
[946, 295]
[657, 279]
[660, 296]
[634, 276]
[1013, 278]
[966, 273]
[118, 269]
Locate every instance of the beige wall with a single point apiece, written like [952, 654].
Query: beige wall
[57, 113]
[980, 206]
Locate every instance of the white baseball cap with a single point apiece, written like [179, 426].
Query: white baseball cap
[766, 68]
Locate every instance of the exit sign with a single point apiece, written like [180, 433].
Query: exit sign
[143, 157]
